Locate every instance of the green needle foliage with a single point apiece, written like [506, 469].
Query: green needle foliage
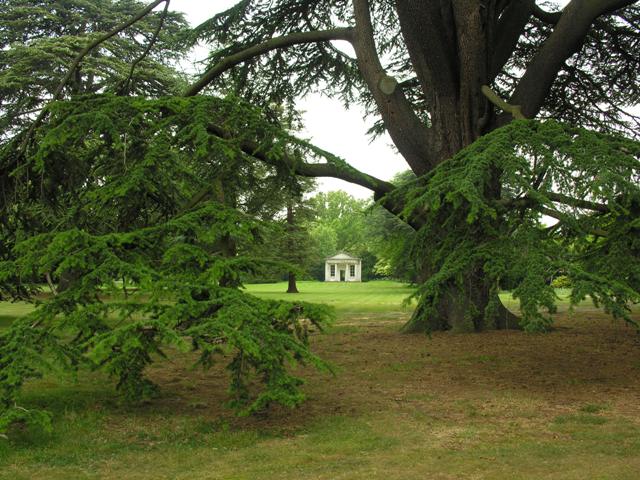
[119, 207]
[526, 203]
[39, 39]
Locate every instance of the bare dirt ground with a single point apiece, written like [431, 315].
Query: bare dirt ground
[588, 360]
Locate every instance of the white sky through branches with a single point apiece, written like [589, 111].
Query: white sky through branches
[328, 124]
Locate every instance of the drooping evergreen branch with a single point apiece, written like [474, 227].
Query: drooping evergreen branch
[343, 170]
[262, 48]
[57, 93]
[595, 244]
[152, 42]
[121, 225]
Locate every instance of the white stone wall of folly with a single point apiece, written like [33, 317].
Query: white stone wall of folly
[343, 270]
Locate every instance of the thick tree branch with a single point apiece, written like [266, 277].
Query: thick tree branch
[577, 203]
[398, 116]
[409, 134]
[339, 169]
[262, 48]
[566, 39]
[509, 29]
[529, 201]
[335, 169]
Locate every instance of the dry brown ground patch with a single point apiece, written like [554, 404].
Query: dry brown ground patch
[587, 360]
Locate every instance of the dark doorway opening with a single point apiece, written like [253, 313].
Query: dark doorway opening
[342, 275]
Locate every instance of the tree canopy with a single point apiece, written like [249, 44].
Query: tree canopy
[40, 39]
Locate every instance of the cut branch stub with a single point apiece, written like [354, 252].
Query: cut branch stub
[493, 97]
[387, 84]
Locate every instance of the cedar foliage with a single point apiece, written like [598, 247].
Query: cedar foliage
[477, 210]
[105, 201]
[594, 241]
[40, 38]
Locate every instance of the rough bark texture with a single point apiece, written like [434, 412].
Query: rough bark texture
[450, 49]
[462, 309]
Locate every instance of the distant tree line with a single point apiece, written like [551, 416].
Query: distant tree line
[307, 231]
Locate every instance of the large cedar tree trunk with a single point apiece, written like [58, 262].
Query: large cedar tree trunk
[462, 308]
[451, 76]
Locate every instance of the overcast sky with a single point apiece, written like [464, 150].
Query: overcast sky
[328, 124]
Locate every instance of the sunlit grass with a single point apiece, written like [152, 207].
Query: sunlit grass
[380, 296]
[9, 311]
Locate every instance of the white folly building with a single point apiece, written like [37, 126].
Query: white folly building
[343, 268]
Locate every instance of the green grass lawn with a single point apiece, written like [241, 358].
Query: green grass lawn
[496, 405]
[379, 296]
[9, 311]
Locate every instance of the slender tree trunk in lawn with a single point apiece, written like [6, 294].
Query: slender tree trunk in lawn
[292, 287]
